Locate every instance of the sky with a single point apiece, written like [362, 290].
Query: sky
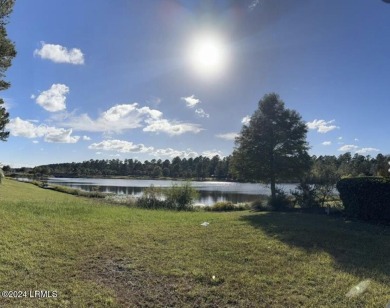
[99, 79]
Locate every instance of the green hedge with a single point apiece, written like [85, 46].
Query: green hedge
[366, 198]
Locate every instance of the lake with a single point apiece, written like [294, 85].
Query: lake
[209, 192]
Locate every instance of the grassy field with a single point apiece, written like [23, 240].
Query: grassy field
[99, 255]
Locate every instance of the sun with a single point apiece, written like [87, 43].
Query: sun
[208, 54]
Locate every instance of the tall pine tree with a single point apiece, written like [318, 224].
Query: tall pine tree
[272, 147]
[7, 53]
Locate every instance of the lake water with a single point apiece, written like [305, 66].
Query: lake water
[209, 192]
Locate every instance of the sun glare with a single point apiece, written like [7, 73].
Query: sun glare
[208, 55]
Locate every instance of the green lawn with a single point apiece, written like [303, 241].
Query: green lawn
[96, 255]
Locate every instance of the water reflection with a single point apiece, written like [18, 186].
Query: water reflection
[209, 192]
[205, 196]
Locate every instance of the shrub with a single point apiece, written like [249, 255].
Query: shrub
[260, 205]
[152, 198]
[176, 197]
[366, 198]
[226, 206]
[181, 197]
[306, 195]
[280, 202]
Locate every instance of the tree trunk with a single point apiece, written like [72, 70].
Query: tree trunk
[273, 187]
[272, 177]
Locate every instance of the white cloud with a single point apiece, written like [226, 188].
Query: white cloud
[35, 141]
[53, 99]
[171, 128]
[245, 120]
[116, 119]
[123, 111]
[211, 154]
[171, 153]
[327, 143]
[130, 116]
[200, 112]
[367, 150]
[191, 101]
[322, 126]
[22, 128]
[60, 54]
[120, 146]
[60, 135]
[356, 139]
[340, 138]
[227, 136]
[348, 148]
[86, 138]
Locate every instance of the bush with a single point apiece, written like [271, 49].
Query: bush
[366, 198]
[281, 201]
[306, 195]
[181, 197]
[177, 197]
[226, 206]
[152, 198]
[260, 205]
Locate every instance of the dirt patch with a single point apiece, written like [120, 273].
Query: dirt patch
[138, 287]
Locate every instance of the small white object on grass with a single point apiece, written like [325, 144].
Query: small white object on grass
[205, 224]
[359, 288]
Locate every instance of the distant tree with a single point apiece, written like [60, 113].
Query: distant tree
[344, 162]
[361, 165]
[7, 53]
[157, 171]
[176, 167]
[381, 165]
[325, 176]
[272, 147]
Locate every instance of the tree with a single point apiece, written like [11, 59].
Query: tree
[324, 175]
[272, 147]
[382, 167]
[7, 53]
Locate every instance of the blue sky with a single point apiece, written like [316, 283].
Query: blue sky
[157, 79]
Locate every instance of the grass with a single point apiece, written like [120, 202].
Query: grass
[99, 255]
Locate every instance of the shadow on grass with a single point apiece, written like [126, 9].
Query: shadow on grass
[356, 247]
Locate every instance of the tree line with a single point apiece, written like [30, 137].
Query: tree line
[210, 168]
[200, 167]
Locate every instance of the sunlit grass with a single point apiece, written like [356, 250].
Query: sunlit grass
[96, 255]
